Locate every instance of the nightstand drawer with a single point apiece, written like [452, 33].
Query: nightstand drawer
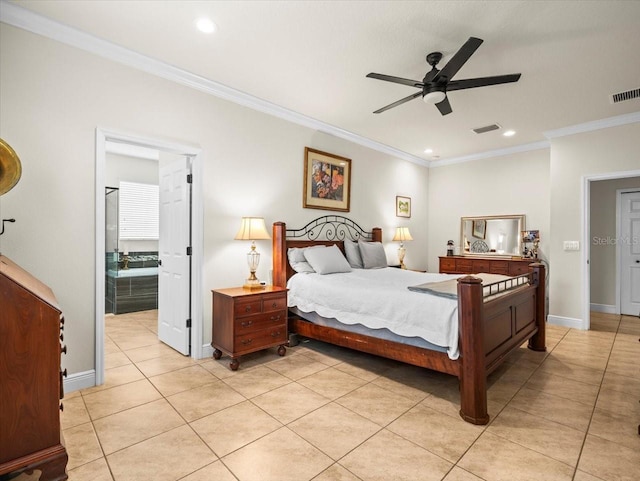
[247, 307]
[252, 341]
[262, 321]
[274, 303]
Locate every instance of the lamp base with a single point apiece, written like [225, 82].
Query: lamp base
[252, 284]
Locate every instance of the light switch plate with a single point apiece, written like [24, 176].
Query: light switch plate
[571, 245]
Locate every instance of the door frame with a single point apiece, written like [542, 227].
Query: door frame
[586, 241]
[619, 193]
[197, 233]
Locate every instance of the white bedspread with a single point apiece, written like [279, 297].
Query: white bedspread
[378, 298]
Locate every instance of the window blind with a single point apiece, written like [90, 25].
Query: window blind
[139, 211]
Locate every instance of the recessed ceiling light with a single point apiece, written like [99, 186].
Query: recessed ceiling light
[205, 25]
[509, 133]
[428, 151]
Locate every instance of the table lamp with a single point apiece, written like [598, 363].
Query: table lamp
[253, 229]
[402, 234]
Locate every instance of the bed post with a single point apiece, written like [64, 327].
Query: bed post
[473, 374]
[279, 254]
[538, 341]
[376, 234]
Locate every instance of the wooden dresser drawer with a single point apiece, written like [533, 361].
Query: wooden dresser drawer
[464, 265]
[518, 268]
[275, 302]
[481, 266]
[447, 265]
[253, 341]
[247, 307]
[500, 267]
[261, 321]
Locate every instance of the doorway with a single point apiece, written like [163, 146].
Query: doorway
[194, 298]
[601, 235]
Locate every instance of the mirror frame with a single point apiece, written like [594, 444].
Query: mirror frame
[521, 226]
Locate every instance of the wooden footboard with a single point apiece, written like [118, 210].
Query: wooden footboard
[490, 328]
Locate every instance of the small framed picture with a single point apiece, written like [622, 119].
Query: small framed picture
[327, 181]
[403, 206]
[480, 228]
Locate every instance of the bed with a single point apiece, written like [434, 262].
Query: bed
[493, 320]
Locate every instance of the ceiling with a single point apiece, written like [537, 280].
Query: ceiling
[312, 57]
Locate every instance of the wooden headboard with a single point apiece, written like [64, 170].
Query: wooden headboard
[325, 230]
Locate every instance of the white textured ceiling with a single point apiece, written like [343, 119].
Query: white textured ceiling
[312, 57]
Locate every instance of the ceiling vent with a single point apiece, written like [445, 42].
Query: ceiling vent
[628, 95]
[486, 128]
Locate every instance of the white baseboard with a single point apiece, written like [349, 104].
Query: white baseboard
[79, 380]
[566, 322]
[605, 308]
[207, 351]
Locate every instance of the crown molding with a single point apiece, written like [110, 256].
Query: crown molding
[594, 125]
[25, 19]
[544, 144]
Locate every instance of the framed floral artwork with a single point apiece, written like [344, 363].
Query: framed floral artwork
[403, 206]
[327, 181]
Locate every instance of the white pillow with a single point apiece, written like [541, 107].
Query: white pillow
[353, 254]
[373, 255]
[327, 261]
[297, 260]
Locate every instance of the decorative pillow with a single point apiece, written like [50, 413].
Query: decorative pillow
[353, 254]
[297, 260]
[327, 261]
[373, 255]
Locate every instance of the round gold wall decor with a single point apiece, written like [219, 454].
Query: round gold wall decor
[10, 168]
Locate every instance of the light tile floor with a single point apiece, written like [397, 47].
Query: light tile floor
[325, 413]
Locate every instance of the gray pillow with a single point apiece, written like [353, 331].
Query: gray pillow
[353, 254]
[373, 255]
[327, 261]
[297, 260]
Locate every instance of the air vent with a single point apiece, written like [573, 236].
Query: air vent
[486, 128]
[622, 96]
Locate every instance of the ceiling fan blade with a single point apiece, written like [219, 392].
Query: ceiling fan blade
[444, 107]
[482, 82]
[459, 59]
[399, 102]
[398, 80]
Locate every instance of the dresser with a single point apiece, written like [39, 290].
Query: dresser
[31, 322]
[475, 265]
[246, 321]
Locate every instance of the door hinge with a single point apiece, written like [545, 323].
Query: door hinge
[188, 322]
[189, 178]
[189, 250]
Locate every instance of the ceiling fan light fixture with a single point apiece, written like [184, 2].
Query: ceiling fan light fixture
[434, 97]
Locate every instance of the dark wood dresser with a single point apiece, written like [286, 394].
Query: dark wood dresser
[491, 265]
[30, 376]
[246, 321]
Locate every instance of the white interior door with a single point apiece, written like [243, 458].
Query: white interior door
[630, 254]
[175, 263]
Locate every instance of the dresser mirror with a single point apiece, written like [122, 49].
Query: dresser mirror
[491, 235]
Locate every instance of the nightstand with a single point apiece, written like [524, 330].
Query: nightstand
[246, 321]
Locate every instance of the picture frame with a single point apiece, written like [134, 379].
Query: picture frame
[327, 181]
[479, 228]
[403, 206]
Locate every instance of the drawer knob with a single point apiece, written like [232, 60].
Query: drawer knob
[63, 349]
[247, 309]
[247, 341]
[64, 373]
[275, 318]
[246, 323]
[274, 304]
[275, 334]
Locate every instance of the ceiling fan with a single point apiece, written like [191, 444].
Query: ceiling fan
[436, 83]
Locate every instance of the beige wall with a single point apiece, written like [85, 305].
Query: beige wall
[606, 151]
[602, 234]
[52, 99]
[511, 184]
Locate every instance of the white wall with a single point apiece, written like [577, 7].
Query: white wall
[511, 184]
[52, 99]
[615, 149]
[602, 235]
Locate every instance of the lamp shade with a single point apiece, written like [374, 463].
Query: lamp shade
[252, 228]
[402, 234]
